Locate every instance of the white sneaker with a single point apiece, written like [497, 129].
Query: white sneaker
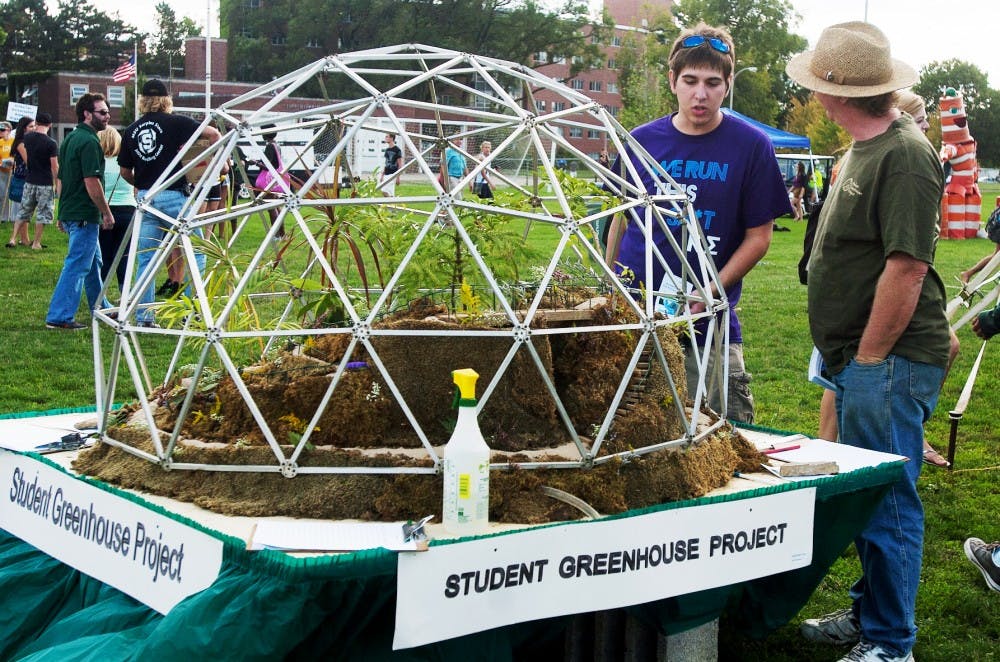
[866, 652]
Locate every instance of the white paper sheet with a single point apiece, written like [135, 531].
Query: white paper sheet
[321, 536]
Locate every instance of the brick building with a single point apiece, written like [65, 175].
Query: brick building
[58, 94]
[601, 85]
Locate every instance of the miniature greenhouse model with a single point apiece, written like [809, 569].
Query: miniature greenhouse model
[328, 350]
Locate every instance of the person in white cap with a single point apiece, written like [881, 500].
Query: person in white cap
[877, 315]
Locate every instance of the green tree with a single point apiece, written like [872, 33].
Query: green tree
[267, 44]
[165, 47]
[967, 78]
[760, 30]
[982, 104]
[809, 119]
[643, 81]
[87, 39]
[29, 31]
[986, 129]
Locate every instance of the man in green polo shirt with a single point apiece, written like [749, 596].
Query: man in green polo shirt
[83, 211]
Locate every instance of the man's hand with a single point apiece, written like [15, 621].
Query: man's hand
[107, 220]
[978, 329]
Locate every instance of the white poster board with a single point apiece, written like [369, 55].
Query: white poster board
[16, 111]
[454, 590]
[153, 558]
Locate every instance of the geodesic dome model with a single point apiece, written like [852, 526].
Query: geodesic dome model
[323, 325]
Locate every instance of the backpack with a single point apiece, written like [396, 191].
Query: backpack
[993, 226]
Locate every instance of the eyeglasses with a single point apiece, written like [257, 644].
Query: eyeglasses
[698, 40]
[101, 112]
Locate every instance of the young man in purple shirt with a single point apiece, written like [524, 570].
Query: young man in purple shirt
[732, 179]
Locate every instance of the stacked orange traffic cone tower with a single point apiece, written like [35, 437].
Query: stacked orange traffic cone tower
[961, 205]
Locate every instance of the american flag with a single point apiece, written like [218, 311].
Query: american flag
[125, 72]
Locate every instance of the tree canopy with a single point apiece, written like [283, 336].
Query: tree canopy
[78, 37]
[291, 33]
[763, 43]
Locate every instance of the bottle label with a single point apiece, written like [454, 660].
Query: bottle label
[464, 486]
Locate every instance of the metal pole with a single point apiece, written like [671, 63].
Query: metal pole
[208, 57]
[135, 86]
[963, 401]
[732, 88]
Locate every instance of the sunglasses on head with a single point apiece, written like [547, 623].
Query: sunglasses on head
[698, 40]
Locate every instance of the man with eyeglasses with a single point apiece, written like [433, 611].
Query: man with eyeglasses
[83, 211]
[732, 178]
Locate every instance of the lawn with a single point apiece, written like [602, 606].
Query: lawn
[48, 370]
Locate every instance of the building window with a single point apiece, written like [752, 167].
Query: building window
[541, 57]
[278, 40]
[594, 86]
[616, 41]
[314, 43]
[75, 92]
[558, 105]
[577, 84]
[540, 105]
[558, 59]
[575, 132]
[248, 32]
[251, 4]
[116, 97]
[593, 133]
[613, 110]
[612, 88]
[612, 63]
[447, 100]
[594, 39]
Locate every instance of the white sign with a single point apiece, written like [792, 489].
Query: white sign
[153, 558]
[16, 111]
[454, 590]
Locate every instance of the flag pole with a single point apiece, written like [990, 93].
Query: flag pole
[135, 85]
[208, 57]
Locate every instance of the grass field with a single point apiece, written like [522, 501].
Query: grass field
[46, 370]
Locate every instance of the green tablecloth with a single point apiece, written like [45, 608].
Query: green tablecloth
[267, 605]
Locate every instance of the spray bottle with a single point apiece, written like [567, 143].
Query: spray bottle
[466, 464]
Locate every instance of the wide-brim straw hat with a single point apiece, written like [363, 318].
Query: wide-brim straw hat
[851, 60]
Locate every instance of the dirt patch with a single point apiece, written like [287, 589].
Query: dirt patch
[515, 494]
[363, 424]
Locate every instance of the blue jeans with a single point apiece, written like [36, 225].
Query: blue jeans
[152, 231]
[81, 271]
[883, 407]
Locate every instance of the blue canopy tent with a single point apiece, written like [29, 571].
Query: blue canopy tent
[779, 138]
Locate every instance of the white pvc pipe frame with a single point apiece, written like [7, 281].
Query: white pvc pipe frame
[529, 130]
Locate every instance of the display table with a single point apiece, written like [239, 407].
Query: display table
[271, 605]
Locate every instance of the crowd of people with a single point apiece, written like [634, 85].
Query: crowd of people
[876, 306]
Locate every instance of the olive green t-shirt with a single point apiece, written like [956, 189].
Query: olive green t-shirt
[886, 199]
[80, 155]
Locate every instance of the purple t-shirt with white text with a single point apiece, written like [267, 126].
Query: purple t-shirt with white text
[732, 179]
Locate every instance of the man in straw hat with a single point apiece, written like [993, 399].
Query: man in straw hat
[877, 315]
[731, 175]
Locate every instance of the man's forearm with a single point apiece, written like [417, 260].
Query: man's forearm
[754, 247]
[896, 295]
[96, 193]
